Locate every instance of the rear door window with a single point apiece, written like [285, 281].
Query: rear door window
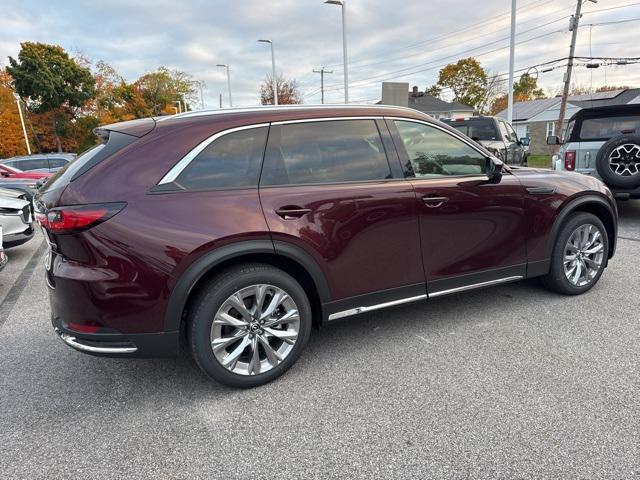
[231, 161]
[33, 164]
[325, 152]
[605, 128]
[484, 129]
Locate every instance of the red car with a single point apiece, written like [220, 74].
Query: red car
[238, 230]
[10, 172]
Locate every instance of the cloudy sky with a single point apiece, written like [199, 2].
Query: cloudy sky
[398, 40]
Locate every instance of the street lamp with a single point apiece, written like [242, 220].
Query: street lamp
[343, 4]
[228, 81]
[274, 83]
[24, 130]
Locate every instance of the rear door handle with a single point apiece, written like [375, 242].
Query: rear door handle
[435, 202]
[292, 212]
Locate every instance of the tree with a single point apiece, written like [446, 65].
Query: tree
[467, 80]
[12, 138]
[52, 82]
[163, 89]
[434, 91]
[527, 88]
[288, 92]
[611, 88]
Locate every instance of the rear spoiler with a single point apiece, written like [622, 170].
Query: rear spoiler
[136, 128]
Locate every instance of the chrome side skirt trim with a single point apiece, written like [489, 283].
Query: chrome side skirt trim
[357, 310]
[476, 285]
[73, 343]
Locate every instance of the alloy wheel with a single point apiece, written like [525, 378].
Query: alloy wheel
[625, 160]
[255, 329]
[583, 255]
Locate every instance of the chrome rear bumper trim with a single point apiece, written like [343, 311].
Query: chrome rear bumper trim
[73, 342]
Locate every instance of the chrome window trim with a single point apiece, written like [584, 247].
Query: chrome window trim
[476, 285]
[177, 169]
[355, 311]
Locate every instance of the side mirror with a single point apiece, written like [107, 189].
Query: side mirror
[525, 141]
[494, 169]
[553, 140]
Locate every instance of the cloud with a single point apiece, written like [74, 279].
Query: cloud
[401, 41]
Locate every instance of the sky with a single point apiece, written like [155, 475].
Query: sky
[406, 41]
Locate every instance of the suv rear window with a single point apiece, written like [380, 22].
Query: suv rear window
[481, 129]
[605, 128]
[325, 152]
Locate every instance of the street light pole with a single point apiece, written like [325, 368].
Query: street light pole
[24, 129]
[228, 82]
[343, 4]
[512, 51]
[274, 82]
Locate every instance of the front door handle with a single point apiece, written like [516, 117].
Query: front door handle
[292, 212]
[435, 202]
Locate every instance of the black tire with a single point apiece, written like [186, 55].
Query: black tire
[625, 179]
[556, 279]
[211, 298]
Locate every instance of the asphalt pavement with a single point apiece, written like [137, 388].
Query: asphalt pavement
[507, 382]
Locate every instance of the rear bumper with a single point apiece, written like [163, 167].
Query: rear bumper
[138, 345]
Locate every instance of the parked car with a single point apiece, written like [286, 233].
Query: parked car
[496, 135]
[238, 230]
[603, 142]
[26, 187]
[41, 163]
[7, 171]
[16, 217]
[3, 256]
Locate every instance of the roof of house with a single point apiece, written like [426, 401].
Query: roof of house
[523, 111]
[427, 104]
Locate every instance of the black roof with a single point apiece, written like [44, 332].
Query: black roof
[633, 109]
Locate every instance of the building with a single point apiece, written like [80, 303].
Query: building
[537, 119]
[397, 93]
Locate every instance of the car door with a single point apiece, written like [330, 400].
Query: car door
[472, 228]
[328, 189]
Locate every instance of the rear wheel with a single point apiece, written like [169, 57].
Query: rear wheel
[579, 256]
[249, 325]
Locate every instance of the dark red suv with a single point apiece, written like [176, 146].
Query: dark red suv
[239, 230]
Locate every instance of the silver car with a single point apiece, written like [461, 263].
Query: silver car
[3, 256]
[605, 143]
[16, 218]
[40, 162]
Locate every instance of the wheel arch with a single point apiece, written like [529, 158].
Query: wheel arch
[594, 204]
[285, 256]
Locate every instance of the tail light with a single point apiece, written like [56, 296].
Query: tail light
[77, 218]
[570, 160]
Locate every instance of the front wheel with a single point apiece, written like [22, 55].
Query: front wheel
[579, 256]
[249, 325]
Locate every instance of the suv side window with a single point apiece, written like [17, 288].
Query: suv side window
[33, 164]
[504, 131]
[232, 160]
[325, 152]
[512, 133]
[433, 153]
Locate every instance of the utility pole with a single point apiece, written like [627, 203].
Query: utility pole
[322, 71]
[575, 21]
[220, 100]
[274, 78]
[24, 130]
[512, 52]
[228, 81]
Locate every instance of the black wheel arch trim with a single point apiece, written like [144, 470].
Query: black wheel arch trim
[203, 265]
[573, 205]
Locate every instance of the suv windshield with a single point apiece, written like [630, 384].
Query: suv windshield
[480, 129]
[605, 128]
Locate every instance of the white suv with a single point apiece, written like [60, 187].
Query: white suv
[603, 142]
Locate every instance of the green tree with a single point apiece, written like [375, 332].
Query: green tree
[467, 80]
[526, 88]
[162, 89]
[288, 92]
[52, 82]
[434, 91]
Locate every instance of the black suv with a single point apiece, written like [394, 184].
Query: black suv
[496, 135]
